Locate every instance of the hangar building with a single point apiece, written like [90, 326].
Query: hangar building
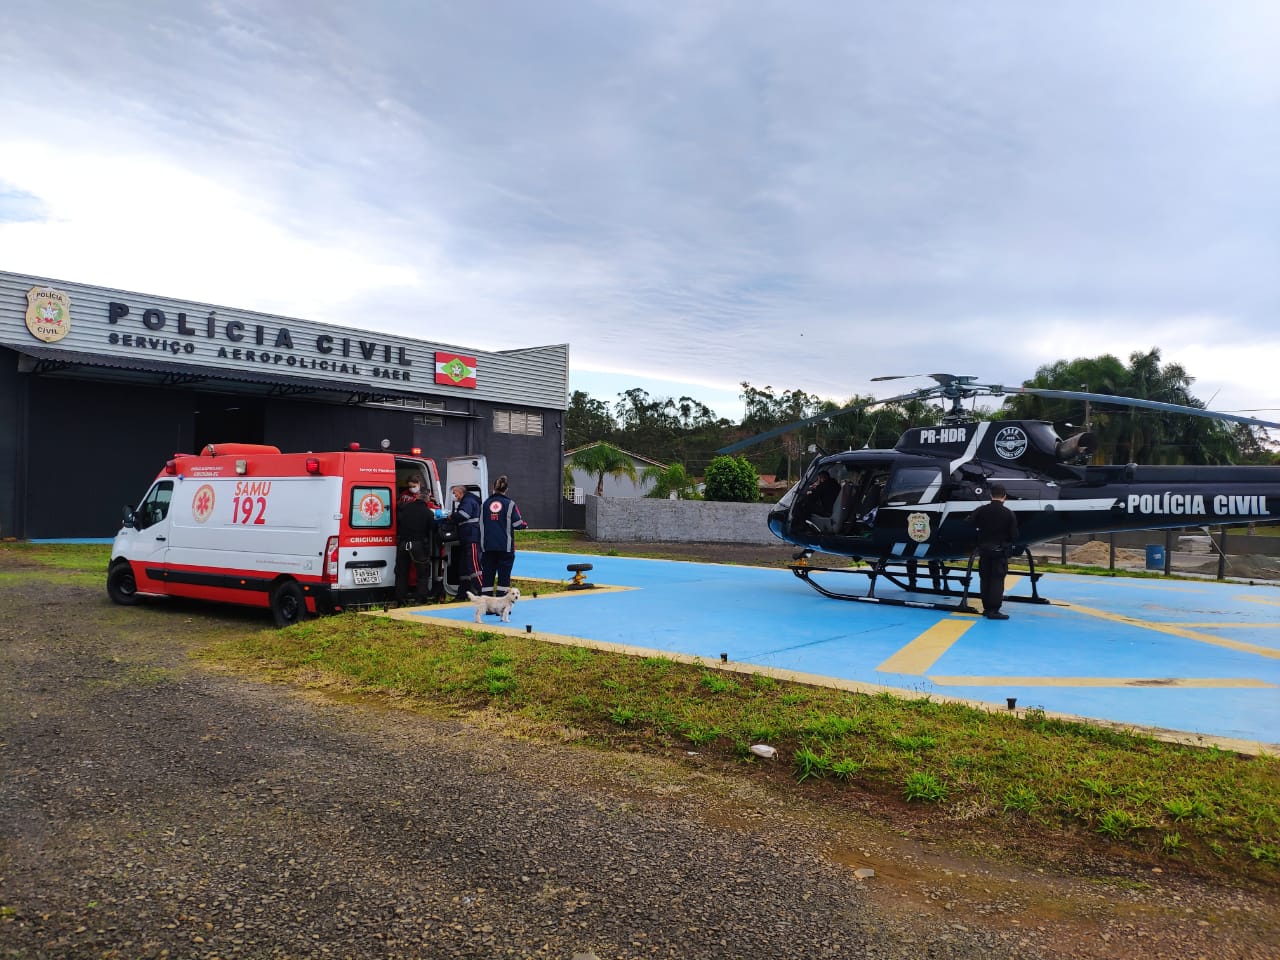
[99, 387]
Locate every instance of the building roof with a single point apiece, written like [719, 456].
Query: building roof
[601, 443]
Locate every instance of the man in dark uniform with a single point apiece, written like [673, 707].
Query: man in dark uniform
[415, 523]
[997, 530]
[818, 498]
[466, 513]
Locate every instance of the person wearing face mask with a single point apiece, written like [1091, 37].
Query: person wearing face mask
[412, 490]
[415, 522]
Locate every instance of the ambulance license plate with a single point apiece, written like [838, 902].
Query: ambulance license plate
[366, 576]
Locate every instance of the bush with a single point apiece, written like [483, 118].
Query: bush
[732, 479]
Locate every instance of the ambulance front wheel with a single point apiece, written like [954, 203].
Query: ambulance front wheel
[122, 588]
[288, 603]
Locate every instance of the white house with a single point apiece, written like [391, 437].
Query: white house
[584, 483]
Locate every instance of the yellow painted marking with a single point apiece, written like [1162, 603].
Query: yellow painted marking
[923, 652]
[1178, 630]
[1011, 581]
[853, 686]
[1224, 626]
[1269, 603]
[1209, 683]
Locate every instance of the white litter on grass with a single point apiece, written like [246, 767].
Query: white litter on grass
[764, 750]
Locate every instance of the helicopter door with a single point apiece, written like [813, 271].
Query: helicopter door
[911, 485]
[862, 496]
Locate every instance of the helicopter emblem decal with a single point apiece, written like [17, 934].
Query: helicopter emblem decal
[1011, 443]
[918, 527]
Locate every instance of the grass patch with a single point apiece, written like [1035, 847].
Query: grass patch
[1207, 807]
[59, 564]
[1192, 804]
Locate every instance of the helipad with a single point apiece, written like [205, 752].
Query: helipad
[1199, 658]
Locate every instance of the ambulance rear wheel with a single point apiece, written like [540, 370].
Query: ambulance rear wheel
[288, 603]
[122, 588]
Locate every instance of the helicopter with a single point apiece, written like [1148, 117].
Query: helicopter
[910, 506]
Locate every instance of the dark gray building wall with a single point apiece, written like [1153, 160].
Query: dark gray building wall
[88, 419]
[92, 448]
[13, 413]
[76, 451]
[532, 465]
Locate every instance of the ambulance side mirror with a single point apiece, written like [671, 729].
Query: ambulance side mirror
[128, 518]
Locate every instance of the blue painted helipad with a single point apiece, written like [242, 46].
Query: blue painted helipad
[1197, 657]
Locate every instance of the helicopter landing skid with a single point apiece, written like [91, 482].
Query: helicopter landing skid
[943, 580]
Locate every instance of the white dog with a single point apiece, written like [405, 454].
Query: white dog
[500, 605]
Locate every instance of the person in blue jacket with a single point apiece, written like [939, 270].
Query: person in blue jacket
[466, 513]
[500, 519]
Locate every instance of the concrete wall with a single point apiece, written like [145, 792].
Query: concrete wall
[626, 519]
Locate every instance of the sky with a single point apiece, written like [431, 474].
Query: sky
[797, 195]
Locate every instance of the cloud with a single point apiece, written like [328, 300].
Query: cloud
[703, 194]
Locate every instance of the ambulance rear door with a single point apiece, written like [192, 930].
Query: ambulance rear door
[366, 560]
[471, 472]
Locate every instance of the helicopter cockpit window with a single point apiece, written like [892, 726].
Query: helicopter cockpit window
[910, 484]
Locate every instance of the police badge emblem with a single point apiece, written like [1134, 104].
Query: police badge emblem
[48, 314]
[918, 527]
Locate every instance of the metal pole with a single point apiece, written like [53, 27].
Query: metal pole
[1168, 551]
[1222, 553]
[1112, 538]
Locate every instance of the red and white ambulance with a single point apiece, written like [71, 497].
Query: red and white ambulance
[298, 533]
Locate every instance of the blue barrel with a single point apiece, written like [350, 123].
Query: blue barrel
[1155, 556]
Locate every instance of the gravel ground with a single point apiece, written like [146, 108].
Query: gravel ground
[150, 807]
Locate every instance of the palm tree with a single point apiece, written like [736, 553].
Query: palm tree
[601, 459]
[668, 480]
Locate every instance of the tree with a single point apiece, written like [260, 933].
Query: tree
[668, 480]
[1129, 434]
[763, 410]
[587, 421]
[732, 479]
[602, 459]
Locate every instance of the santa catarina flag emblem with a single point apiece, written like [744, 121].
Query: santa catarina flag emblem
[455, 370]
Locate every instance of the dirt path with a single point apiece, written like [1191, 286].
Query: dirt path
[152, 808]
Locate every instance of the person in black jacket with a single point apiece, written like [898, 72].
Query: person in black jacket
[817, 499]
[466, 514]
[415, 525]
[500, 519]
[997, 530]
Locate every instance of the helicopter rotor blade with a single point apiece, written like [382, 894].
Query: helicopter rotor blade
[796, 425]
[788, 427]
[1148, 404]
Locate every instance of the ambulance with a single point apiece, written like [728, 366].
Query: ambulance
[296, 533]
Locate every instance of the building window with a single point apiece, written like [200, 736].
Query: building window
[512, 421]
